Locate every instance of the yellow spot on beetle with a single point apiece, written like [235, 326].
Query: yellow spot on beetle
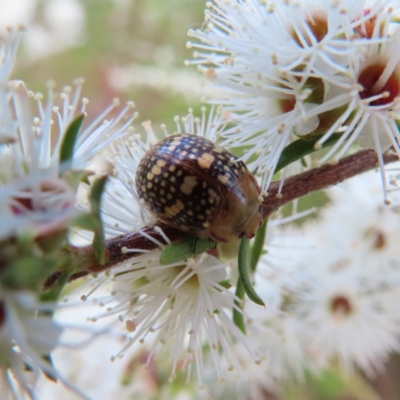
[206, 160]
[150, 176]
[224, 178]
[175, 209]
[218, 149]
[161, 163]
[156, 170]
[188, 184]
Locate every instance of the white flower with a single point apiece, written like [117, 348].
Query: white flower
[302, 68]
[33, 195]
[344, 288]
[8, 50]
[26, 338]
[366, 231]
[36, 131]
[38, 203]
[348, 322]
[372, 99]
[178, 309]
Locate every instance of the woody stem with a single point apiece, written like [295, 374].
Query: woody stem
[294, 187]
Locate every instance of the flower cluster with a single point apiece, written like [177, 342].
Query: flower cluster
[325, 71]
[324, 295]
[40, 172]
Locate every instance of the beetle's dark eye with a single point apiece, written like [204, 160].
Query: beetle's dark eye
[241, 235]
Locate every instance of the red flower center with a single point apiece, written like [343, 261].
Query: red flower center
[369, 81]
[319, 28]
[341, 305]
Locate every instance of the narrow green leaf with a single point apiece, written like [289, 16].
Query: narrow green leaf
[75, 177]
[28, 271]
[300, 148]
[189, 247]
[68, 143]
[243, 264]
[238, 317]
[54, 292]
[99, 247]
[317, 88]
[225, 283]
[96, 193]
[257, 248]
[86, 221]
[95, 203]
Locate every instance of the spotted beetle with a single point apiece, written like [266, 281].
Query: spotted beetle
[195, 185]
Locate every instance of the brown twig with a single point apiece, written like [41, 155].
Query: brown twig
[295, 187]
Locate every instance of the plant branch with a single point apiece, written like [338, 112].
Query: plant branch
[294, 187]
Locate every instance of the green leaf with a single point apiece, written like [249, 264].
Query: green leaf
[96, 193]
[75, 177]
[188, 248]
[52, 243]
[330, 384]
[243, 264]
[317, 87]
[300, 148]
[226, 284]
[238, 317]
[54, 292]
[99, 247]
[258, 245]
[95, 203]
[68, 143]
[28, 271]
[86, 221]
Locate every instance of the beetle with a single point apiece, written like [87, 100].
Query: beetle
[195, 185]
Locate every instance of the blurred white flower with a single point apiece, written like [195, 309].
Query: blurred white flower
[27, 336]
[347, 299]
[347, 321]
[365, 230]
[8, 50]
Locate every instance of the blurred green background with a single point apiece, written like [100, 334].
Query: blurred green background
[130, 49]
